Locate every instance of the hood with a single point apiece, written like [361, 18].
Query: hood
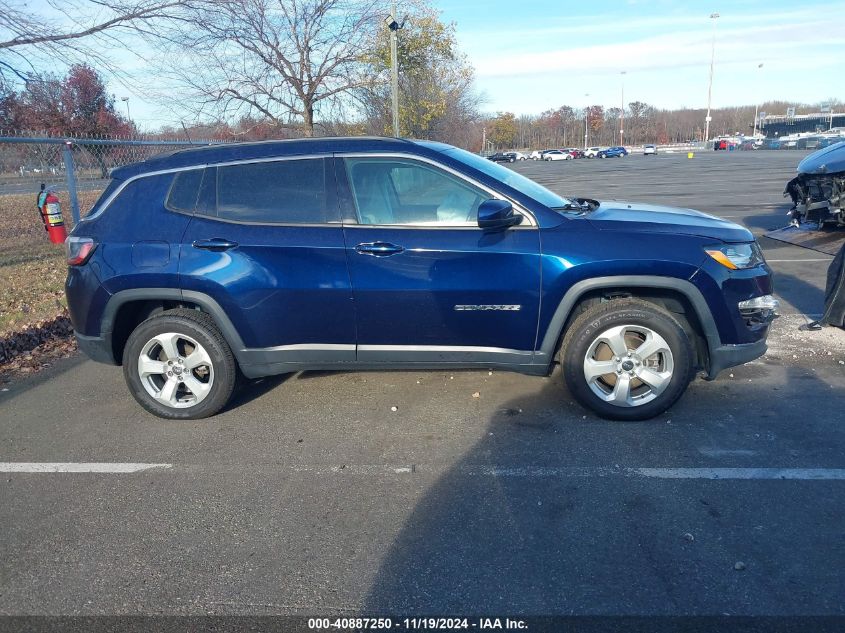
[616, 215]
[825, 161]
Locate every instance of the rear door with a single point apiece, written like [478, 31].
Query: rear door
[429, 285]
[266, 243]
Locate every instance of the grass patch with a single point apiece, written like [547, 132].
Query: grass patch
[32, 270]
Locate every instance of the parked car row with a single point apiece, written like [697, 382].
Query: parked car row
[784, 142]
[568, 153]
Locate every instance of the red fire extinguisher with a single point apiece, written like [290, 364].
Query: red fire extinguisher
[51, 214]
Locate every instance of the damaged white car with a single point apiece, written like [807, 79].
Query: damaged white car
[818, 191]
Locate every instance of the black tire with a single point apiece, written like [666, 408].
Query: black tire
[582, 335]
[201, 328]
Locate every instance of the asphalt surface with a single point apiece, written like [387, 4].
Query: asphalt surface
[310, 495]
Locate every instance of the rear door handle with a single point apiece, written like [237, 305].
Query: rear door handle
[379, 249]
[214, 244]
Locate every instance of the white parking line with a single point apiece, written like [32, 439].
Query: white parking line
[567, 472]
[78, 467]
[814, 474]
[743, 473]
[529, 472]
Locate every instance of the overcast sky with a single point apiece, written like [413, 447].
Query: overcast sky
[532, 55]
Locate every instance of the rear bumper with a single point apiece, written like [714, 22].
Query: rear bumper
[726, 356]
[97, 348]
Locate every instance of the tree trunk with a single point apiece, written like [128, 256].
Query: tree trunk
[308, 117]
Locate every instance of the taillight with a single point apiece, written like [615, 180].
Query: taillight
[79, 249]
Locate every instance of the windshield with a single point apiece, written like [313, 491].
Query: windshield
[512, 179]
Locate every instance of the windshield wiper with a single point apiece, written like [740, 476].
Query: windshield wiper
[578, 205]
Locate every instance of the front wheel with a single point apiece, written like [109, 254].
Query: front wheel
[627, 360]
[178, 366]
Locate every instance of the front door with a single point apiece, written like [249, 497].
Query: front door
[428, 284]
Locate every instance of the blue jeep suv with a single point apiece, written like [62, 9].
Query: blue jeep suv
[372, 253]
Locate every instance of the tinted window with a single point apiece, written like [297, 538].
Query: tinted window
[286, 192]
[396, 191]
[184, 191]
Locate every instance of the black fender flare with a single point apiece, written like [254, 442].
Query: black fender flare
[554, 331]
[204, 301]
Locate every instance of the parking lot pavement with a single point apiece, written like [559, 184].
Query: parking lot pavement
[310, 495]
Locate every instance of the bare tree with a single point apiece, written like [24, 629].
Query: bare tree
[72, 31]
[278, 60]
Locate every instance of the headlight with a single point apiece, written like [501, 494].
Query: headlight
[759, 310]
[737, 256]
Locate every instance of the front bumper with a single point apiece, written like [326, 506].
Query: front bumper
[726, 356]
[97, 348]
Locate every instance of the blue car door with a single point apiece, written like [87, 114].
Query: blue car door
[428, 284]
[266, 243]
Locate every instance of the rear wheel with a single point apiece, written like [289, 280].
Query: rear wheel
[627, 360]
[178, 366]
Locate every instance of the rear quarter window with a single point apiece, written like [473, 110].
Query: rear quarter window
[184, 191]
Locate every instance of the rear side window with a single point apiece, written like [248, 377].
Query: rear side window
[184, 191]
[277, 192]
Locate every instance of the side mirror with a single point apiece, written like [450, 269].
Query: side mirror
[497, 214]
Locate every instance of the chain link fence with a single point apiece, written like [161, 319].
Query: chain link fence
[73, 163]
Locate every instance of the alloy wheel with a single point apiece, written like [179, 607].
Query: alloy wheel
[628, 365]
[175, 370]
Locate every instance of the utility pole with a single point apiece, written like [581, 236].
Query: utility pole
[622, 114]
[586, 123]
[714, 17]
[756, 106]
[394, 26]
[128, 116]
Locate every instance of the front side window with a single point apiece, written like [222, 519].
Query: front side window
[277, 192]
[405, 192]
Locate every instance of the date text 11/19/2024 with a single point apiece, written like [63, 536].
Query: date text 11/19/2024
[416, 624]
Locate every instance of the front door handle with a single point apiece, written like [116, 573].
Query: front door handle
[378, 249]
[214, 244]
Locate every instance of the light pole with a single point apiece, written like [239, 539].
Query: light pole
[394, 26]
[126, 101]
[756, 107]
[622, 114]
[714, 17]
[586, 123]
